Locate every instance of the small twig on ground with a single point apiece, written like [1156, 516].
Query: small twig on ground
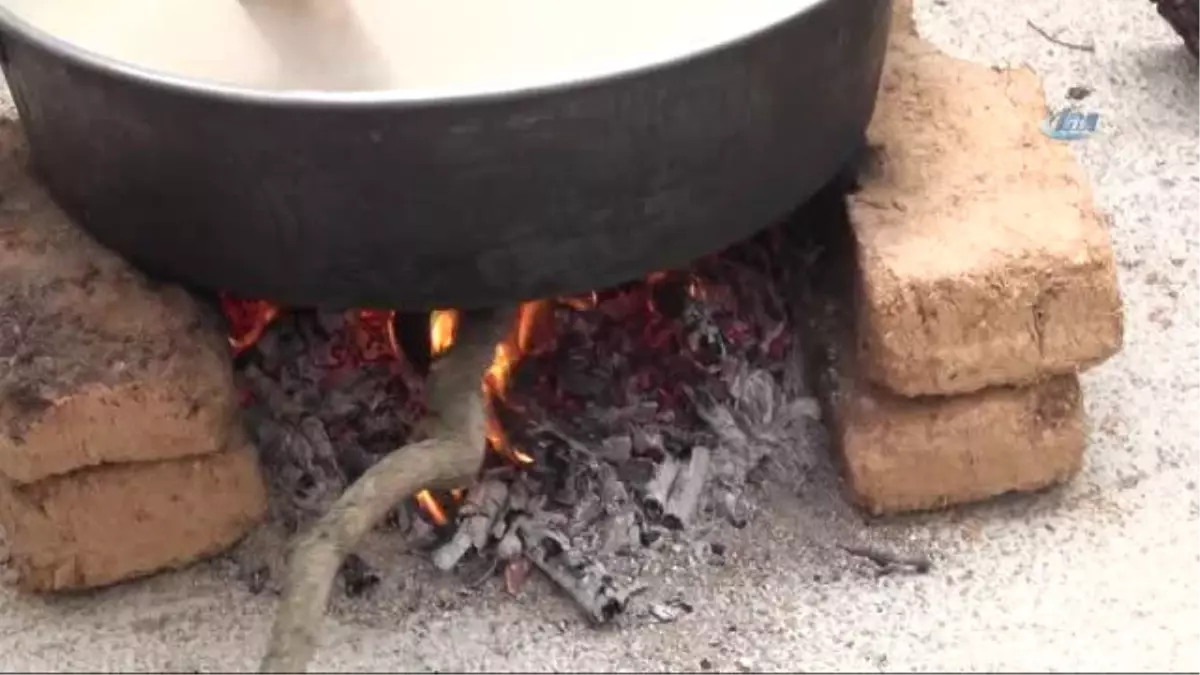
[889, 562]
[1083, 47]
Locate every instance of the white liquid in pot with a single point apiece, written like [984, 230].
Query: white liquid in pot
[415, 45]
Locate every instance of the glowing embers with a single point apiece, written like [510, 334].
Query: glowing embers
[371, 338]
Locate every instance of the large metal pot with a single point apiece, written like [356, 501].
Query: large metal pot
[467, 201]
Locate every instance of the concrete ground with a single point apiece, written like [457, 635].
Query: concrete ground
[1103, 574]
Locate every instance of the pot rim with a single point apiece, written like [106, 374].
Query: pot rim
[756, 25]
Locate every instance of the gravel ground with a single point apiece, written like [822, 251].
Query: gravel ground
[1100, 575]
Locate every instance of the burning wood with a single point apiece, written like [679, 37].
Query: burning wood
[626, 422]
[449, 456]
[484, 504]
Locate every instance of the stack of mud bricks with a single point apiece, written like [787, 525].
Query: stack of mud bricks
[121, 450]
[984, 282]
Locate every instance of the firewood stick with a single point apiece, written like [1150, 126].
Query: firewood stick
[450, 456]
[685, 494]
[600, 604]
[484, 503]
[660, 486]
[550, 551]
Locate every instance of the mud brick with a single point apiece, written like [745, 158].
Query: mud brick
[904, 454]
[121, 447]
[983, 259]
[900, 454]
[98, 364]
[101, 525]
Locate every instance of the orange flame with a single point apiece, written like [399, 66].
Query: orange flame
[443, 326]
[533, 327]
[430, 506]
[373, 335]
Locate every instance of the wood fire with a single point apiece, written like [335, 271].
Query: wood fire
[575, 437]
[374, 337]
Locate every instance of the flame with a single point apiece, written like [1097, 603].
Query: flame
[534, 329]
[443, 326]
[372, 337]
[430, 506]
[533, 322]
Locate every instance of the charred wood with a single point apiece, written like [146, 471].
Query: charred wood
[685, 493]
[659, 488]
[597, 597]
[483, 506]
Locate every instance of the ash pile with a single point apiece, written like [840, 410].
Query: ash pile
[625, 435]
